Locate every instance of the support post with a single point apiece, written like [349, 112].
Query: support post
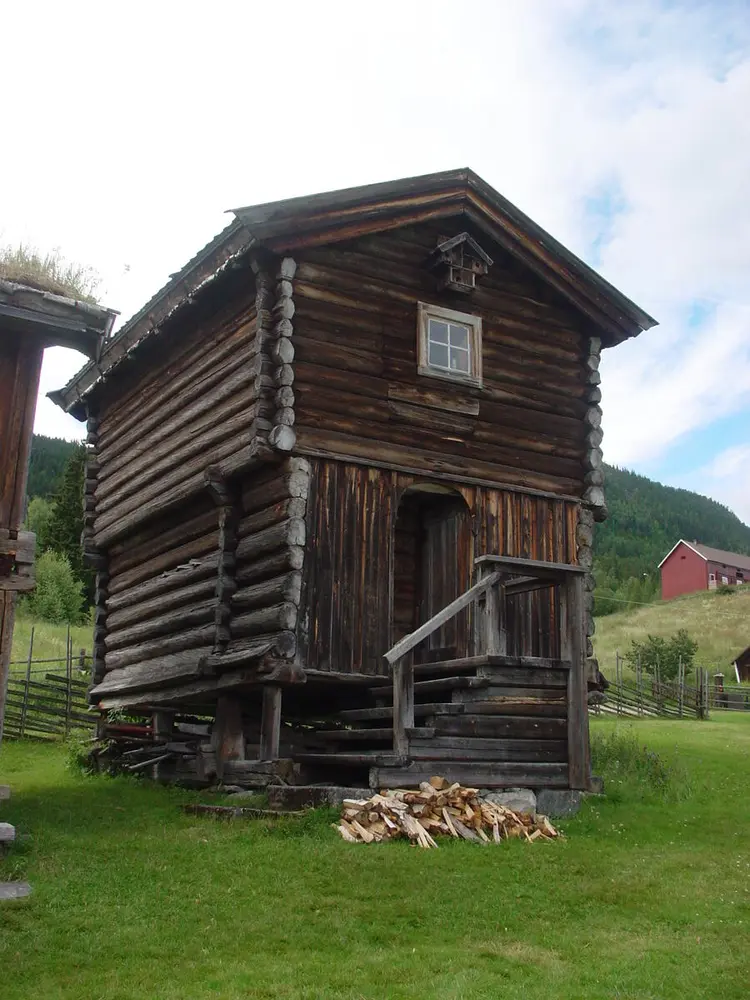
[403, 703]
[228, 737]
[495, 639]
[25, 707]
[161, 726]
[270, 722]
[574, 648]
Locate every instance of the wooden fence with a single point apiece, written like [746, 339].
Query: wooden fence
[648, 694]
[47, 700]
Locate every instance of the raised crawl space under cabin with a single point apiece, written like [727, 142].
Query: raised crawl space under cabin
[343, 475]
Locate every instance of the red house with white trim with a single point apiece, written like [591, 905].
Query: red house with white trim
[690, 567]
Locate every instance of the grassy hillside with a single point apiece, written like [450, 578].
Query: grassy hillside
[646, 519]
[719, 623]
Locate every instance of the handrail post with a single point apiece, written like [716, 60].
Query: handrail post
[494, 633]
[403, 703]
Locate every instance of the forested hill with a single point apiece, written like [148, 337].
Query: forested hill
[48, 459]
[646, 519]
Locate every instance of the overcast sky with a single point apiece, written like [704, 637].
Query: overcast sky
[622, 128]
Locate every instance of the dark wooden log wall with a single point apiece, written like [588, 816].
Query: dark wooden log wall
[160, 601]
[200, 404]
[271, 535]
[358, 394]
[345, 619]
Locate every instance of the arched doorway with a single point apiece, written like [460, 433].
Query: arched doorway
[431, 567]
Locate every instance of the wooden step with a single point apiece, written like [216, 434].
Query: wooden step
[386, 711]
[472, 774]
[352, 735]
[461, 748]
[522, 727]
[439, 684]
[375, 758]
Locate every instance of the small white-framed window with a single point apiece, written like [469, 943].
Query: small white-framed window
[449, 344]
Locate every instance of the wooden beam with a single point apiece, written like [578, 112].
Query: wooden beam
[573, 644]
[403, 704]
[270, 722]
[228, 738]
[530, 567]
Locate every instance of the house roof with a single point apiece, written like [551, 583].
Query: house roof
[54, 319]
[709, 554]
[338, 215]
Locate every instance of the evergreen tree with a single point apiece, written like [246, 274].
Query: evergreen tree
[58, 596]
[47, 464]
[66, 523]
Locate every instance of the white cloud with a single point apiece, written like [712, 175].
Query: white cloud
[727, 479]
[157, 117]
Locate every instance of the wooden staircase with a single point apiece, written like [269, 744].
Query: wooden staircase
[501, 722]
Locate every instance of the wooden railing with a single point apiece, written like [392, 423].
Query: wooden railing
[403, 671]
[501, 577]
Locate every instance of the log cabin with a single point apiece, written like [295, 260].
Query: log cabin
[343, 475]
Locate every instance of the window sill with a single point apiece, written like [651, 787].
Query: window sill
[446, 376]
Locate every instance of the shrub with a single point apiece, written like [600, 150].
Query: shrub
[622, 761]
[58, 596]
[663, 655]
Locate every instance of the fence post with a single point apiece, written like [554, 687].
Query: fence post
[639, 683]
[82, 660]
[618, 682]
[680, 686]
[68, 680]
[25, 705]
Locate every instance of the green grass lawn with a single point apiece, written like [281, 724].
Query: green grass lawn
[647, 897]
[718, 623]
[49, 644]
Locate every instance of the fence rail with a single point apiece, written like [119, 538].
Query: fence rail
[649, 695]
[52, 705]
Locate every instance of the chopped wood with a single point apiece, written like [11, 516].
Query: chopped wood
[437, 808]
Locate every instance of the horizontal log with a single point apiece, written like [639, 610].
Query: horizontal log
[502, 694]
[161, 646]
[279, 589]
[180, 585]
[286, 534]
[293, 483]
[325, 443]
[188, 448]
[154, 673]
[275, 564]
[525, 677]
[529, 709]
[203, 363]
[500, 727]
[458, 748]
[274, 514]
[165, 600]
[230, 457]
[474, 775]
[201, 550]
[386, 712]
[223, 399]
[279, 617]
[174, 621]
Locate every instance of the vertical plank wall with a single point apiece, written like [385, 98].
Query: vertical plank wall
[345, 610]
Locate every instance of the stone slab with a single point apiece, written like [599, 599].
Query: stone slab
[7, 833]
[305, 796]
[558, 803]
[518, 799]
[4, 793]
[14, 890]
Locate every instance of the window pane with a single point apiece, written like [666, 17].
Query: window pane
[438, 332]
[439, 355]
[459, 336]
[459, 360]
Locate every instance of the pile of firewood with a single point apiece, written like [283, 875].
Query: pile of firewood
[437, 808]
